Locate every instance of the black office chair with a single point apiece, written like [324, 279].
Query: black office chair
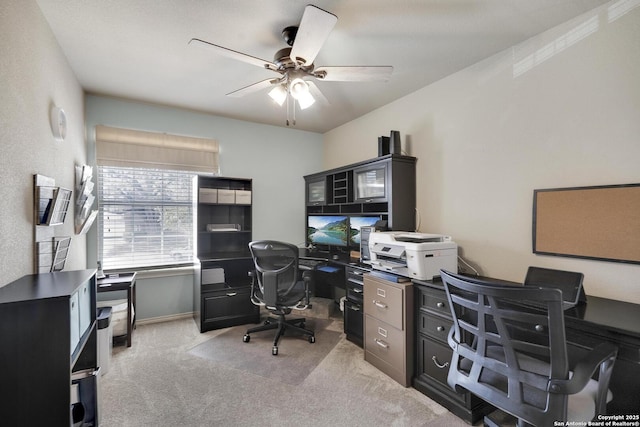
[515, 357]
[276, 285]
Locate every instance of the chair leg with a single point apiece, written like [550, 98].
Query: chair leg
[268, 325]
[281, 324]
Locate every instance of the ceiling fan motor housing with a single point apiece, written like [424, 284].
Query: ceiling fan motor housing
[289, 34]
[282, 59]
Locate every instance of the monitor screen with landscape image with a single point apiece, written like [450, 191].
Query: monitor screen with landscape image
[357, 221]
[328, 230]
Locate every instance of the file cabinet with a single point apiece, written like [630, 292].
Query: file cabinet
[388, 327]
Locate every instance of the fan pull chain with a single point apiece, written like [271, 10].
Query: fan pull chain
[287, 109]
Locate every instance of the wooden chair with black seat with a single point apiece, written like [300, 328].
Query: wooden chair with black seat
[276, 285]
[515, 357]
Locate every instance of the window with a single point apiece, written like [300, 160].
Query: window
[145, 217]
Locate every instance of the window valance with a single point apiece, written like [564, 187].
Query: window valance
[140, 149]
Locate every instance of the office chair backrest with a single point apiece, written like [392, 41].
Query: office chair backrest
[276, 265]
[506, 353]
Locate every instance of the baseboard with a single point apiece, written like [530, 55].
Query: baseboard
[167, 318]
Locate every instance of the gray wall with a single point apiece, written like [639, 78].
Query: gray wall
[275, 158]
[560, 110]
[34, 75]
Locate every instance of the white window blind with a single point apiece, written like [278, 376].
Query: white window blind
[139, 149]
[145, 196]
[145, 217]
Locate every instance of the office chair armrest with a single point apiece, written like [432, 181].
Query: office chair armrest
[603, 357]
[254, 284]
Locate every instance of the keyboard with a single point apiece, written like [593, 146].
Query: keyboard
[309, 263]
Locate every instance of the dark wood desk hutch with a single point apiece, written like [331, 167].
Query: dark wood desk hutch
[382, 187]
[222, 286]
[349, 190]
[49, 357]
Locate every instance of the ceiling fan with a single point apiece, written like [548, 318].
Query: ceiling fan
[295, 63]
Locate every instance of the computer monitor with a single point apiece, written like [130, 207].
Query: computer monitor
[357, 221]
[328, 230]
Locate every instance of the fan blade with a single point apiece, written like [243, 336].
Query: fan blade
[314, 28]
[234, 54]
[317, 95]
[253, 88]
[380, 73]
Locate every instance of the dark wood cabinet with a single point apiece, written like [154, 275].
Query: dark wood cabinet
[49, 357]
[353, 309]
[384, 186]
[224, 228]
[433, 354]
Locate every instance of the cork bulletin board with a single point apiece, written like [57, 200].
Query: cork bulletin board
[588, 222]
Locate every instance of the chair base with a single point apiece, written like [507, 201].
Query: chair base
[281, 324]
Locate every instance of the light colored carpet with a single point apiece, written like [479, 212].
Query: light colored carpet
[158, 382]
[294, 362]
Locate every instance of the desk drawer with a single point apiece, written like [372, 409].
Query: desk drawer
[384, 301]
[384, 341]
[435, 326]
[227, 303]
[435, 363]
[353, 322]
[355, 275]
[354, 292]
[434, 300]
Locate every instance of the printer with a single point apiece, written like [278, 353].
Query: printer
[414, 255]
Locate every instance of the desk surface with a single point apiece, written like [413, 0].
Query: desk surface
[120, 278]
[598, 313]
[619, 316]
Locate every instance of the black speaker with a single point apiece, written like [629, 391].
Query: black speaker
[394, 142]
[364, 242]
[383, 146]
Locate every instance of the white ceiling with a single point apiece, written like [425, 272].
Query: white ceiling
[137, 49]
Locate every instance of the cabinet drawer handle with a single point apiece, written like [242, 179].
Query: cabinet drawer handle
[354, 308]
[380, 304]
[232, 294]
[440, 305]
[381, 343]
[357, 290]
[440, 329]
[438, 364]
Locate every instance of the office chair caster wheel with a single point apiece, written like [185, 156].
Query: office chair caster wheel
[246, 338]
[312, 339]
[274, 350]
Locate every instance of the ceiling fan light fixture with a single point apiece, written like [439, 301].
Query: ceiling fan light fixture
[298, 88]
[278, 94]
[305, 100]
